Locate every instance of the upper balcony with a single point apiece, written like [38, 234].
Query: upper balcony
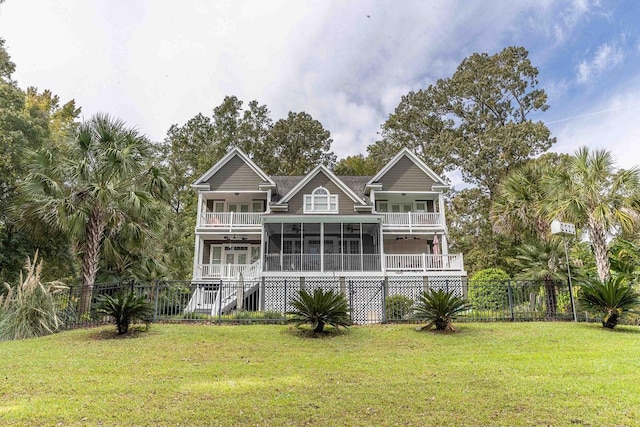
[230, 221]
[412, 221]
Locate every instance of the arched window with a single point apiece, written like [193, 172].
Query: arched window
[320, 201]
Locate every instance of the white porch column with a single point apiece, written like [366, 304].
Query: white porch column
[197, 256]
[441, 207]
[445, 244]
[383, 256]
[200, 212]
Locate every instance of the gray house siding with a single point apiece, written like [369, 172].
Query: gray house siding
[406, 176]
[235, 175]
[345, 204]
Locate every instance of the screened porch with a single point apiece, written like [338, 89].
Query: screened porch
[322, 247]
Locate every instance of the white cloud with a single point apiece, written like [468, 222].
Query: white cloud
[611, 124]
[606, 57]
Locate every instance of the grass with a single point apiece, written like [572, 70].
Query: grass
[269, 375]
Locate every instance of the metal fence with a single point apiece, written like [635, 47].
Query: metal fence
[371, 299]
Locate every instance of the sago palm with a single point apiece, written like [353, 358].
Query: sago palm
[124, 308]
[100, 186]
[612, 298]
[320, 308]
[439, 308]
[593, 194]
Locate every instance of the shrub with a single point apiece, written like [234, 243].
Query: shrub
[320, 308]
[125, 309]
[439, 308]
[397, 307]
[488, 289]
[29, 309]
[612, 298]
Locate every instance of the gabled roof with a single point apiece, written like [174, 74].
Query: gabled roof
[223, 161]
[405, 152]
[337, 181]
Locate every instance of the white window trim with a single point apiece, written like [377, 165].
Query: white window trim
[310, 199]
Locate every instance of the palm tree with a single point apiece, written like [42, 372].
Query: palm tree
[592, 194]
[320, 308]
[517, 209]
[439, 308]
[125, 308]
[543, 260]
[101, 185]
[612, 298]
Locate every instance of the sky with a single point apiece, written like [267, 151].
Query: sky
[155, 63]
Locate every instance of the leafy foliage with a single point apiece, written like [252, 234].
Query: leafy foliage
[613, 299]
[320, 308]
[29, 120]
[357, 165]
[477, 122]
[595, 196]
[439, 308]
[296, 145]
[488, 289]
[101, 191]
[29, 308]
[125, 308]
[398, 307]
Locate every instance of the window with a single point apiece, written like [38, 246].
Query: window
[320, 201]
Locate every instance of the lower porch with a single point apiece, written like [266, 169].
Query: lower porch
[337, 263]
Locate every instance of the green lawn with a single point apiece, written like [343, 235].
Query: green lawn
[268, 375]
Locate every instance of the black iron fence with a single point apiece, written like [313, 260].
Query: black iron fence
[371, 300]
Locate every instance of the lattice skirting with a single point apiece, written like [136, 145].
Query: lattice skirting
[365, 295]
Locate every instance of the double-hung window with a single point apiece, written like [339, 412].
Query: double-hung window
[320, 201]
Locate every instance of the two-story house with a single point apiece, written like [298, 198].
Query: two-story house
[280, 233]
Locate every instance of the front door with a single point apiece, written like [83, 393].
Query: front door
[235, 260]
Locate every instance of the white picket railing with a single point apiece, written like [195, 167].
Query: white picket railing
[411, 219]
[230, 219]
[424, 262]
[228, 271]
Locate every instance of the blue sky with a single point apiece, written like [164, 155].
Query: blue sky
[347, 63]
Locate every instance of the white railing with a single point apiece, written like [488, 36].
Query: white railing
[411, 219]
[230, 219]
[314, 262]
[424, 262]
[228, 271]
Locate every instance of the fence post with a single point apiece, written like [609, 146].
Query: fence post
[573, 302]
[155, 310]
[509, 291]
[285, 296]
[351, 300]
[220, 302]
[383, 290]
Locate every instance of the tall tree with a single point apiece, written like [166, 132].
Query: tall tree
[357, 165]
[101, 184]
[594, 195]
[28, 121]
[477, 122]
[517, 210]
[296, 145]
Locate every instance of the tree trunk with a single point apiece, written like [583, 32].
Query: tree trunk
[91, 257]
[319, 327]
[598, 236]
